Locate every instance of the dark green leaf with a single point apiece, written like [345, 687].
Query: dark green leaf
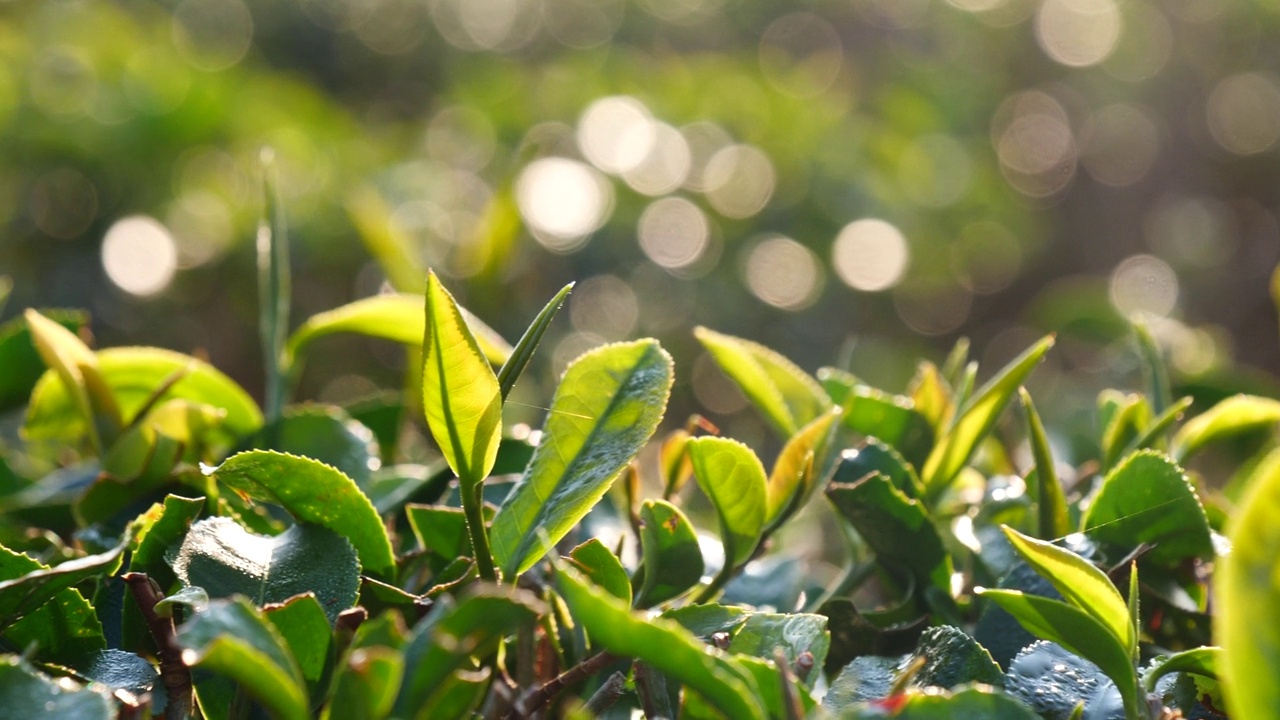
[303, 624]
[1247, 612]
[704, 620]
[232, 639]
[785, 395]
[28, 694]
[895, 527]
[1054, 682]
[124, 672]
[606, 408]
[1147, 498]
[460, 393]
[661, 643]
[314, 493]
[325, 433]
[158, 529]
[672, 558]
[523, 352]
[440, 530]
[892, 419]
[65, 630]
[971, 703]
[977, 418]
[443, 641]
[945, 657]
[602, 567]
[874, 456]
[223, 558]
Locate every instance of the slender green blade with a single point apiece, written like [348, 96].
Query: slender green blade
[1154, 370]
[804, 460]
[661, 643]
[731, 475]
[314, 493]
[1203, 661]
[1247, 616]
[273, 287]
[1083, 585]
[460, 393]
[786, 395]
[523, 352]
[1051, 500]
[607, 406]
[77, 366]
[955, 448]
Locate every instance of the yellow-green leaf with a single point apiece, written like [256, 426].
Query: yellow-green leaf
[786, 395]
[732, 476]
[802, 462]
[1236, 414]
[460, 392]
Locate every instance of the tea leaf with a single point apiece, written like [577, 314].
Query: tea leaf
[314, 493]
[131, 374]
[603, 568]
[731, 475]
[27, 590]
[273, 286]
[398, 317]
[519, 357]
[19, 358]
[1147, 498]
[77, 366]
[1198, 661]
[890, 418]
[1236, 414]
[895, 527]
[977, 418]
[232, 639]
[1075, 630]
[672, 558]
[366, 686]
[1247, 616]
[325, 433]
[803, 462]
[452, 633]
[661, 643]
[30, 694]
[1082, 584]
[225, 559]
[607, 406]
[786, 395]
[1051, 501]
[303, 624]
[460, 393]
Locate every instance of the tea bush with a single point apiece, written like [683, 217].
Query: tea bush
[173, 549]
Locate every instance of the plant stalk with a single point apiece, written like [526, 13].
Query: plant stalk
[538, 698]
[173, 672]
[473, 508]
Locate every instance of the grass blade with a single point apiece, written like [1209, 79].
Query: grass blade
[523, 352]
[273, 287]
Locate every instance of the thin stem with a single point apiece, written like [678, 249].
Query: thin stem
[473, 507]
[175, 674]
[718, 582]
[538, 698]
[608, 694]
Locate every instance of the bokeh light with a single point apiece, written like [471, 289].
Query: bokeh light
[604, 306]
[1120, 145]
[739, 181]
[1078, 33]
[665, 167]
[673, 233]
[616, 134]
[1244, 113]
[783, 273]
[801, 54]
[870, 255]
[212, 34]
[1144, 285]
[139, 255]
[1035, 144]
[563, 201]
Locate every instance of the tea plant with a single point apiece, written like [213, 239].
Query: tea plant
[171, 549]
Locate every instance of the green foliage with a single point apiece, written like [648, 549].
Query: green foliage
[784, 394]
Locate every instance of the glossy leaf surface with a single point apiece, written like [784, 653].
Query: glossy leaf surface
[313, 493]
[225, 559]
[1147, 498]
[731, 475]
[607, 406]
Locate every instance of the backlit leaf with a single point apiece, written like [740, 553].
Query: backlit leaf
[804, 461]
[786, 395]
[672, 558]
[520, 356]
[602, 567]
[606, 408]
[460, 393]
[977, 418]
[1236, 414]
[313, 493]
[731, 475]
[1147, 498]
[1247, 615]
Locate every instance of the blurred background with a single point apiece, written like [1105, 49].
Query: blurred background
[855, 183]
